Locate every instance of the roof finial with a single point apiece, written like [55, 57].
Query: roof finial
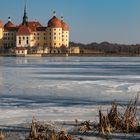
[62, 18]
[25, 6]
[54, 13]
[9, 18]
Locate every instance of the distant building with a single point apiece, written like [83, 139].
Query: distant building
[31, 37]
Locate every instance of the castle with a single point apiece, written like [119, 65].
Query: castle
[30, 37]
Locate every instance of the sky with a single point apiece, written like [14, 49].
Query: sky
[115, 21]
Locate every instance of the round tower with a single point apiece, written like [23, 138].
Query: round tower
[1, 34]
[65, 33]
[54, 32]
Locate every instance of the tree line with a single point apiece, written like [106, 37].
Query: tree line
[109, 48]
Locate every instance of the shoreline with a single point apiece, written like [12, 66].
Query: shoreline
[21, 131]
[70, 55]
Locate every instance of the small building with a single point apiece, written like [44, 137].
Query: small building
[75, 50]
[21, 51]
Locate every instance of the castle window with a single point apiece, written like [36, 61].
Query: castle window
[38, 34]
[54, 44]
[38, 38]
[50, 33]
[23, 37]
[19, 38]
[54, 38]
[27, 37]
[27, 41]
[54, 33]
[44, 38]
[19, 42]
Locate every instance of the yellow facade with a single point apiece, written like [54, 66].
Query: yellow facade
[65, 38]
[54, 37]
[1, 37]
[39, 38]
[9, 39]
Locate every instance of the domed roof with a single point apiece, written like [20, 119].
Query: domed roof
[1, 24]
[54, 22]
[9, 24]
[65, 26]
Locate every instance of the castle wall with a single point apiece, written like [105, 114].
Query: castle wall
[54, 37]
[40, 38]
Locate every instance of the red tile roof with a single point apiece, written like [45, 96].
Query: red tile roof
[11, 29]
[33, 25]
[65, 26]
[24, 30]
[8, 25]
[41, 28]
[54, 22]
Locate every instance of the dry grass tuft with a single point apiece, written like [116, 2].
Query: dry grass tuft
[85, 126]
[115, 121]
[46, 132]
[3, 136]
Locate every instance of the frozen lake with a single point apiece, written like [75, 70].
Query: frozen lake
[64, 88]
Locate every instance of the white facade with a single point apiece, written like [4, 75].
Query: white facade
[24, 41]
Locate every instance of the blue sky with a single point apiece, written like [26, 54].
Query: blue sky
[116, 21]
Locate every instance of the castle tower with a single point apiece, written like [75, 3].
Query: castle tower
[25, 18]
[65, 33]
[24, 34]
[54, 32]
[1, 34]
